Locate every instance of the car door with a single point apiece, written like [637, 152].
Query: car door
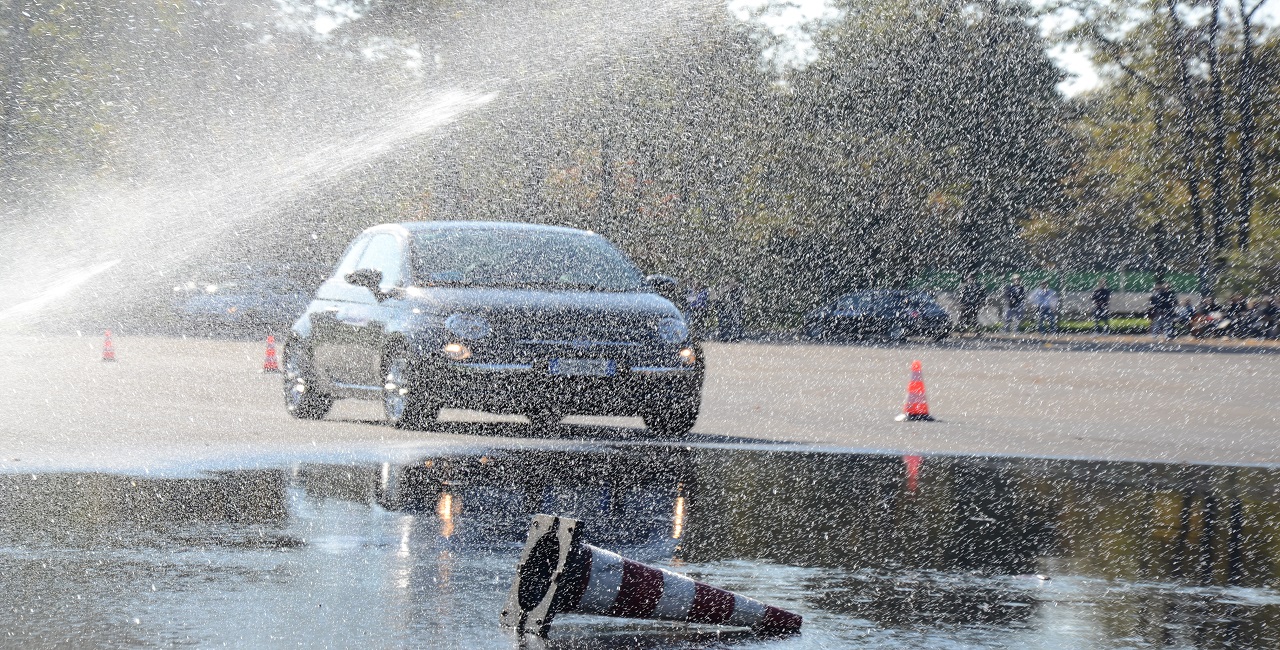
[333, 340]
[367, 315]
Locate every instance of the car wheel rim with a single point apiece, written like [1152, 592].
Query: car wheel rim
[294, 384]
[394, 389]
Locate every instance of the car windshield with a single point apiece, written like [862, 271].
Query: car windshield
[521, 258]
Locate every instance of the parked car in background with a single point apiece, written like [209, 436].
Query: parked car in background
[240, 301]
[501, 317]
[890, 315]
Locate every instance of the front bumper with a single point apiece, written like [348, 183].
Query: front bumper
[520, 379]
[529, 390]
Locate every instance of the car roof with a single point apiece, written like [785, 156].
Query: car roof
[421, 226]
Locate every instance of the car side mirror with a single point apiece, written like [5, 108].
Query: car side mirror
[367, 278]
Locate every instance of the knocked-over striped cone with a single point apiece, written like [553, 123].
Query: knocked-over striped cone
[559, 573]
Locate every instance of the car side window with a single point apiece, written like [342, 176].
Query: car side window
[385, 254]
[352, 256]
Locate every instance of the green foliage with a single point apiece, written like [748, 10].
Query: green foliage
[1147, 140]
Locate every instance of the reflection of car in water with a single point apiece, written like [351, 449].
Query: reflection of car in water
[236, 302]
[623, 497]
[893, 315]
[500, 317]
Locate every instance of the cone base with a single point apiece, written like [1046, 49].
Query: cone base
[903, 417]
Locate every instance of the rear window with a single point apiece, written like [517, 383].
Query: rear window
[518, 258]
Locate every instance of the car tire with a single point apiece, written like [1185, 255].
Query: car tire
[300, 395]
[896, 334]
[405, 404]
[673, 420]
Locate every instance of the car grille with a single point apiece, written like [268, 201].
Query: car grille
[573, 328]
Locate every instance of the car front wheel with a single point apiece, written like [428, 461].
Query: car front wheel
[673, 420]
[404, 404]
[300, 395]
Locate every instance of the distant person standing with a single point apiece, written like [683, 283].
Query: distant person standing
[698, 299]
[729, 309]
[971, 296]
[1045, 301]
[1184, 316]
[1163, 302]
[1102, 307]
[1265, 318]
[1236, 311]
[1015, 295]
[1206, 314]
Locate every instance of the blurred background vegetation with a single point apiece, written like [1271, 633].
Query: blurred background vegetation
[926, 139]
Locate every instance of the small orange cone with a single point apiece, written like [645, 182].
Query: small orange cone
[917, 407]
[108, 348]
[270, 364]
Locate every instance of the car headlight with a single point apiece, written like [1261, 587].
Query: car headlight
[673, 330]
[467, 326]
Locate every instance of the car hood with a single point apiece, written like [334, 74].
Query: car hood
[557, 315]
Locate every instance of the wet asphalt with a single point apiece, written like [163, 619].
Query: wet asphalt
[173, 401]
[1066, 499]
[959, 552]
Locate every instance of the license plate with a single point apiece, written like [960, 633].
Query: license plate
[584, 367]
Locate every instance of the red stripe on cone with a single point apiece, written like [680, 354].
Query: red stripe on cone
[640, 591]
[710, 605]
[777, 622]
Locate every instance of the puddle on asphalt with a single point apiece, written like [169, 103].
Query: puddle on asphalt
[874, 551]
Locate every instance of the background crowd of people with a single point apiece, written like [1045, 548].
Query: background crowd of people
[716, 311]
[1240, 317]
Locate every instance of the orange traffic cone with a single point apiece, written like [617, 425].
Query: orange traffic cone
[108, 348]
[270, 364]
[559, 573]
[917, 407]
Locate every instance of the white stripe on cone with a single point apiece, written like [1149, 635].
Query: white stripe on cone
[747, 612]
[677, 597]
[606, 579]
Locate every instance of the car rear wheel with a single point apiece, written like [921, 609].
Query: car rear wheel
[673, 420]
[405, 405]
[896, 333]
[300, 396]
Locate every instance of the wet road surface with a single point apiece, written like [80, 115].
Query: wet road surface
[170, 400]
[873, 550]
